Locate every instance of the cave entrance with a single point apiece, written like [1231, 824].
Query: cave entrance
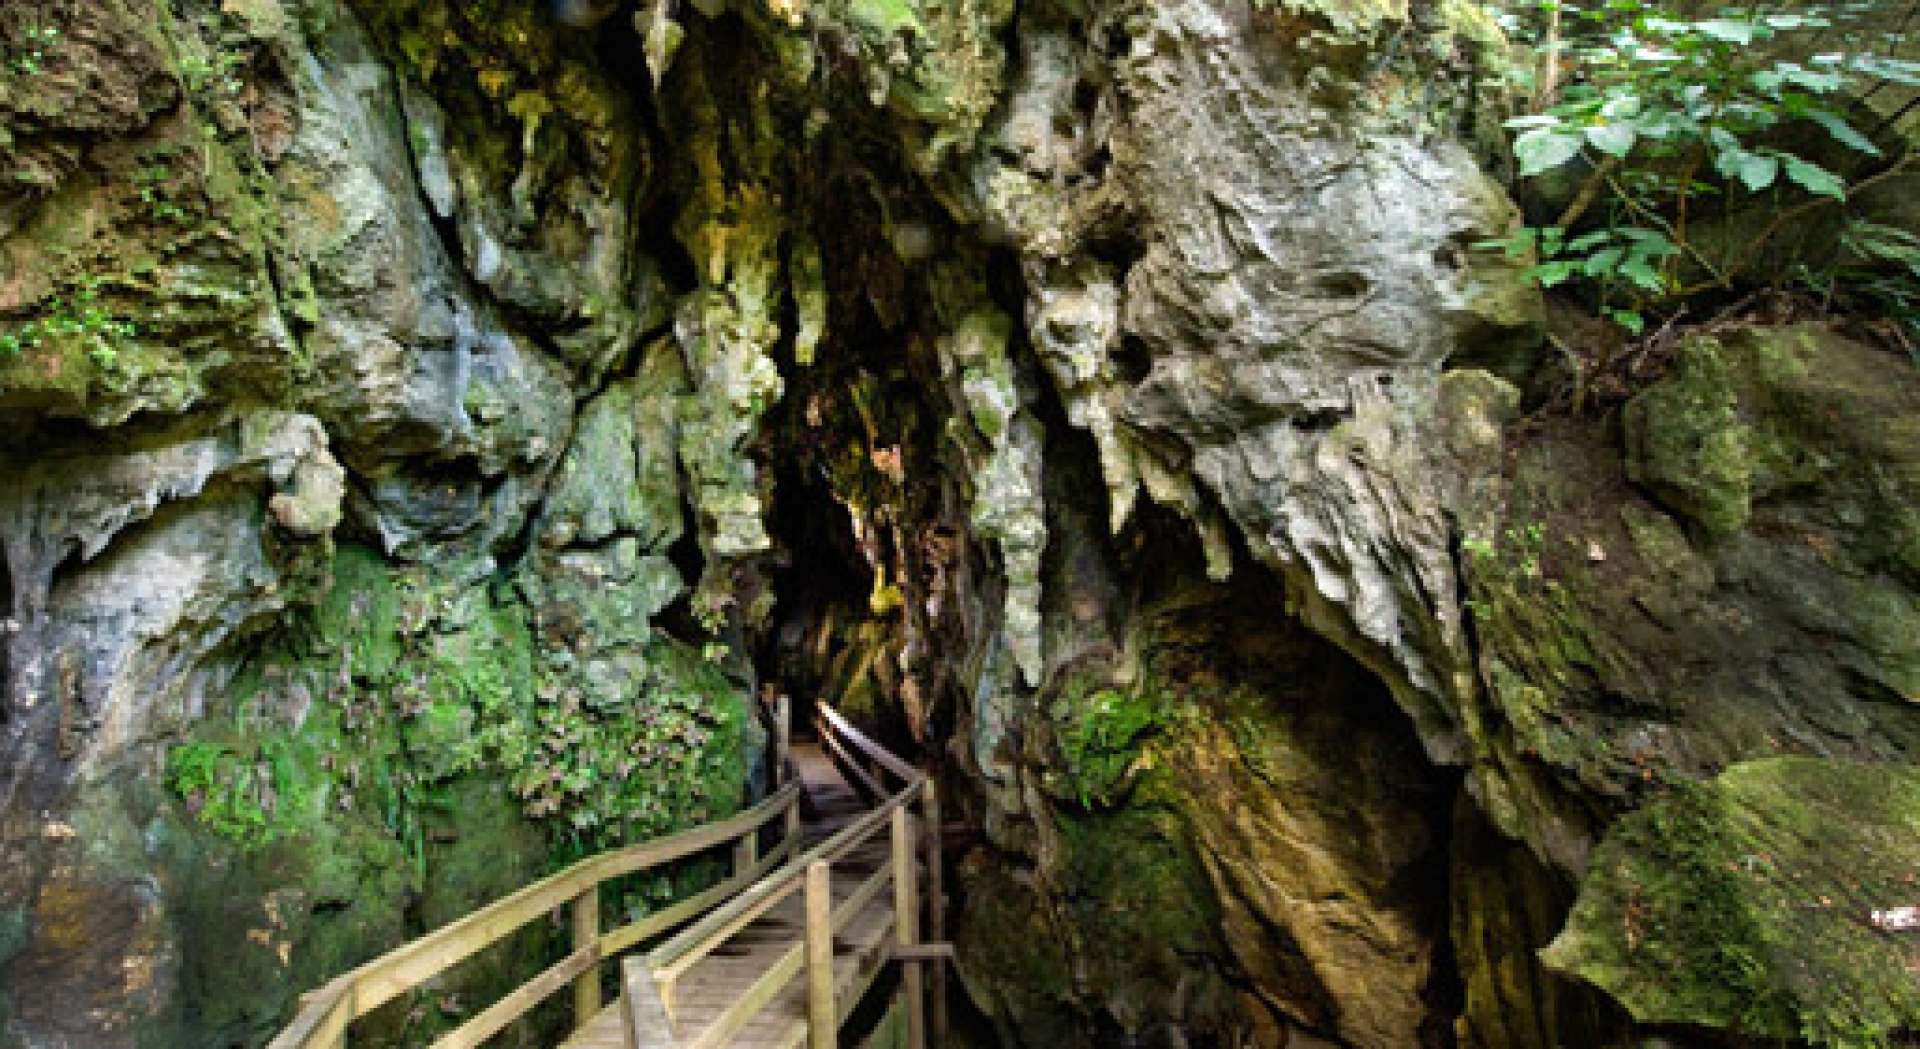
[820, 584]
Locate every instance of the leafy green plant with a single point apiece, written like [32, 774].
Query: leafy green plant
[220, 791]
[31, 53]
[1879, 273]
[1661, 117]
[81, 318]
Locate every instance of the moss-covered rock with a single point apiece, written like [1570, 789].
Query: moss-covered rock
[1766, 901]
[1686, 442]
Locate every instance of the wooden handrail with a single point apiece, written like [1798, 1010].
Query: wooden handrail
[867, 746]
[811, 872]
[710, 918]
[699, 939]
[323, 1018]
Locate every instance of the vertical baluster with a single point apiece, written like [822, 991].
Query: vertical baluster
[746, 852]
[783, 737]
[936, 908]
[586, 933]
[906, 923]
[823, 1020]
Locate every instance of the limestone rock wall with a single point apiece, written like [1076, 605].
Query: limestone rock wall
[426, 425]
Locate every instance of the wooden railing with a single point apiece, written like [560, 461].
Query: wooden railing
[711, 917]
[650, 983]
[326, 1014]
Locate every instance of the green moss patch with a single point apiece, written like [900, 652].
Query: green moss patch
[1761, 902]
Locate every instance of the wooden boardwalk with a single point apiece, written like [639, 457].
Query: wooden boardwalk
[718, 981]
[779, 953]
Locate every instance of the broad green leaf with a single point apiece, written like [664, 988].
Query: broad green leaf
[1628, 319]
[1813, 178]
[1623, 106]
[1727, 162]
[1532, 121]
[1727, 30]
[1543, 149]
[1641, 274]
[1757, 171]
[1602, 262]
[1548, 274]
[1589, 241]
[1843, 132]
[1612, 139]
[1815, 81]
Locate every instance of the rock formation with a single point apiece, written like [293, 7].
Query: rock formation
[427, 426]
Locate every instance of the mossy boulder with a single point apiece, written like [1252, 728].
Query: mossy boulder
[1687, 443]
[1774, 900]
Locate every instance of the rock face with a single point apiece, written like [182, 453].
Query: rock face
[426, 425]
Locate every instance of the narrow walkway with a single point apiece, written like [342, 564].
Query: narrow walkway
[719, 980]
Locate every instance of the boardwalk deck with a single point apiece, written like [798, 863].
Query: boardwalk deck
[717, 981]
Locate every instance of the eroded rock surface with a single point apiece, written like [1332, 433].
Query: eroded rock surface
[427, 424]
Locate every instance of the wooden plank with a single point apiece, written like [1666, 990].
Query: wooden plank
[489, 1021]
[823, 1021]
[605, 1031]
[713, 935]
[872, 749]
[645, 1013]
[906, 925]
[756, 997]
[585, 915]
[921, 952]
[703, 936]
[845, 912]
[782, 737]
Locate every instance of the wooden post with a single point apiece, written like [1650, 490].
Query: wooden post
[586, 933]
[906, 924]
[793, 826]
[782, 737]
[746, 852]
[647, 1026]
[936, 906]
[823, 1020]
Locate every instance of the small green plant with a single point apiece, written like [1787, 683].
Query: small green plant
[1515, 556]
[152, 180]
[80, 317]
[1879, 273]
[1664, 119]
[1100, 733]
[219, 790]
[216, 75]
[30, 55]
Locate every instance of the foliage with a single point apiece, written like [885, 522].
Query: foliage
[421, 678]
[247, 801]
[1663, 118]
[80, 318]
[31, 53]
[1099, 730]
[1879, 273]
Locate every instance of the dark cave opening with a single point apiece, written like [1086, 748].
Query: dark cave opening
[821, 586]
